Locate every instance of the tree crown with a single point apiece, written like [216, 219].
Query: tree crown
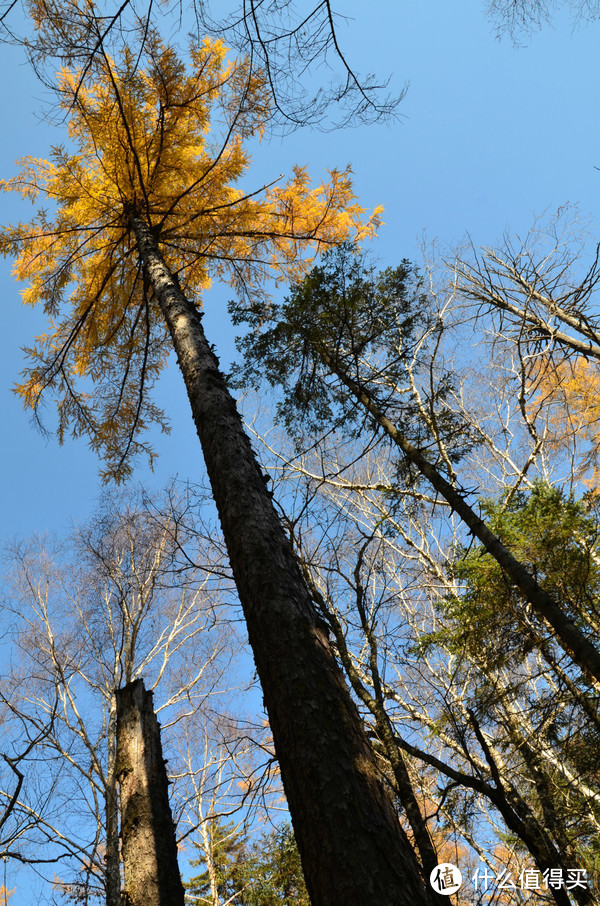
[141, 143]
[344, 319]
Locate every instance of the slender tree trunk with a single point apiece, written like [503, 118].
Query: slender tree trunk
[111, 805]
[520, 819]
[552, 821]
[582, 651]
[207, 839]
[353, 849]
[147, 830]
[515, 811]
[552, 824]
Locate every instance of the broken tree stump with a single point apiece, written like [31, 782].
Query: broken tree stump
[148, 844]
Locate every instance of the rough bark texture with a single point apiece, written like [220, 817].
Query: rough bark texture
[148, 844]
[375, 704]
[353, 849]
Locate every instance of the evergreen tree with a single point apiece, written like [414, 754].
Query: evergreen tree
[316, 347]
[226, 865]
[264, 873]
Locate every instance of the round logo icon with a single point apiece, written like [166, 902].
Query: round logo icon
[445, 878]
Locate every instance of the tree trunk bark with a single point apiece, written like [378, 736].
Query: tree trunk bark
[207, 839]
[148, 841]
[111, 807]
[353, 849]
[376, 705]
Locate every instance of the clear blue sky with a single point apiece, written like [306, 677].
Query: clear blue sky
[489, 137]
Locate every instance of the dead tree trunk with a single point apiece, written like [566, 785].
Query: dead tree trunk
[148, 844]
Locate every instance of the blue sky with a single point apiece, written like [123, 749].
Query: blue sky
[489, 136]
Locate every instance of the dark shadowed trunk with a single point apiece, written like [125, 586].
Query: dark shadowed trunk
[151, 872]
[354, 851]
[376, 705]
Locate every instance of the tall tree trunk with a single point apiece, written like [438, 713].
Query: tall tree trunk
[353, 849]
[148, 834]
[522, 737]
[376, 705]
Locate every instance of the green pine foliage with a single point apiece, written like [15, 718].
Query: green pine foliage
[230, 862]
[346, 318]
[557, 540]
[523, 688]
[266, 872]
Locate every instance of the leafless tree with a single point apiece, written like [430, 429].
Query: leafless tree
[292, 42]
[519, 18]
[466, 740]
[536, 291]
[129, 597]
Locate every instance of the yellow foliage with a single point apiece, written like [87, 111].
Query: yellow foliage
[570, 392]
[167, 144]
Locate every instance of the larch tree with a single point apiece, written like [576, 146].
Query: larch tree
[285, 40]
[146, 211]
[569, 387]
[289, 40]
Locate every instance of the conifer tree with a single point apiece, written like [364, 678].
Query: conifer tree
[264, 873]
[146, 213]
[343, 338]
